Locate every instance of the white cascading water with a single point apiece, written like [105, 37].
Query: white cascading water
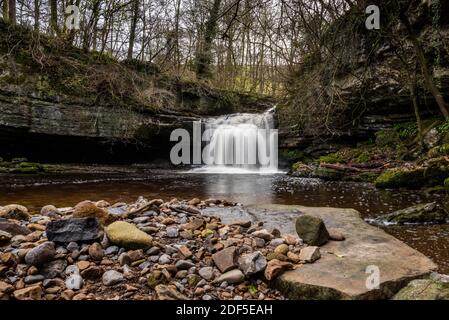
[241, 144]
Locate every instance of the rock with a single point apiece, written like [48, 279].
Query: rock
[92, 273]
[206, 273]
[14, 211]
[291, 239]
[281, 249]
[83, 265]
[155, 278]
[231, 277]
[186, 253]
[412, 178]
[168, 293]
[74, 282]
[263, 234]
[276, 256]
[88, 209]
[419, 214]
[293, 257]
[33, 278]
[336, 235]
[112, 277]
[275, 268]
[194, 202]
[50, 211]
[5, 237]
[164, 259]
[252, 263]
[242, 223]
[124, 259]
[184, 264]
[28, 293]
[195, 224]
[128, 236]
[13, 228]
[96, 251]
[276, 242]
[6, 287]
[74, 230]
[53, 269]
[40, 254]
[424, 289]
[225, 259]
[432, 138]
[172, 232]
[312, 230]
[109, 251]
[310, 254]
[193, 280]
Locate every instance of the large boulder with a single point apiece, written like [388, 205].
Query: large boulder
[14, 211]
[128, 236]
[419, 214]
[88, 209]
[312, 230]
[432, 288]
[74, 230]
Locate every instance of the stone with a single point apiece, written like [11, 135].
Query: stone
[41, 254]
[72, 269]
[193, 225]
[5, 237]
[109, 251]
[74, 230]
[242, 223]
[291, 239]
[6, 287]
[33, 278]
[128, 236]
[193, 280]
[276, 256]
[424, 289]
[168, 293]
[112, 277]
[225, 259]
[231, 277]
[88, 209]
[96, 251]
[50, 211]
[281, 249]
[124, 259]
[184, 264]
[275, 268]
[92, 273]
[263, 234]
[419, 214]
[252, 263]
[336, 235]
[13, 228]
[310, 254]
[74, 282]
[155, 278]
[312, 230]
[293, 257]
[186, 253]
[28, 293]
[83, 265]
[15, 212]
[164, 259]
[276, 242]
[172, 232]
[207, 273]
[53, 269]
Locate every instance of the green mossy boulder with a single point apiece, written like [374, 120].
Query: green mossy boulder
[412, 178]
[312, 230]
[420, 214]
[424, 289]
[128, 236]
[332, 158]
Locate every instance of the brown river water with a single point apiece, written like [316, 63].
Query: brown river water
[68, 189]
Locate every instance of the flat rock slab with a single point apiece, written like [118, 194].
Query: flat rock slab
[345, 268]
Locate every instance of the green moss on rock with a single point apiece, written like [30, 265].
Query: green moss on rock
[424, 289]
[332, 158]
[412, 178]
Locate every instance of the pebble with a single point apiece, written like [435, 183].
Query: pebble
[74, 282]
[112, 277]
[206, 273]
[172, 232]
[164, 259]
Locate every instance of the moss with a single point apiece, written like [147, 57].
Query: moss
[363, 158]
[401, 178]
[388, 138]
[365, 177]
[292, 154]
[328, 174]
[332, 158]
[442, 150]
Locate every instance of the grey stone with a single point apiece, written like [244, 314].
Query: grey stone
[112, 277]
[312, 230]
[206, 273]
[40, 254]
[74, 230]
[231, 277]
[74, 282]
[252, 263]
[184, 264]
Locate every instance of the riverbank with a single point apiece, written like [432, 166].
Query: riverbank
[151, 249]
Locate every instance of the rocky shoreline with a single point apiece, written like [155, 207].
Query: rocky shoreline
[149, 249]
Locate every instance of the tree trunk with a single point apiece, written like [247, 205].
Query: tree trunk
[5, 10]
[428, 78]
[132, 33]
[54, 17]
[36, 14]
[12, 11]
[204, 56]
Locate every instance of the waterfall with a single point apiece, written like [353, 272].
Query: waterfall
[240, 143]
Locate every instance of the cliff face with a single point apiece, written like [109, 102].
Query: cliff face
[61, 104]
[364, 86]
